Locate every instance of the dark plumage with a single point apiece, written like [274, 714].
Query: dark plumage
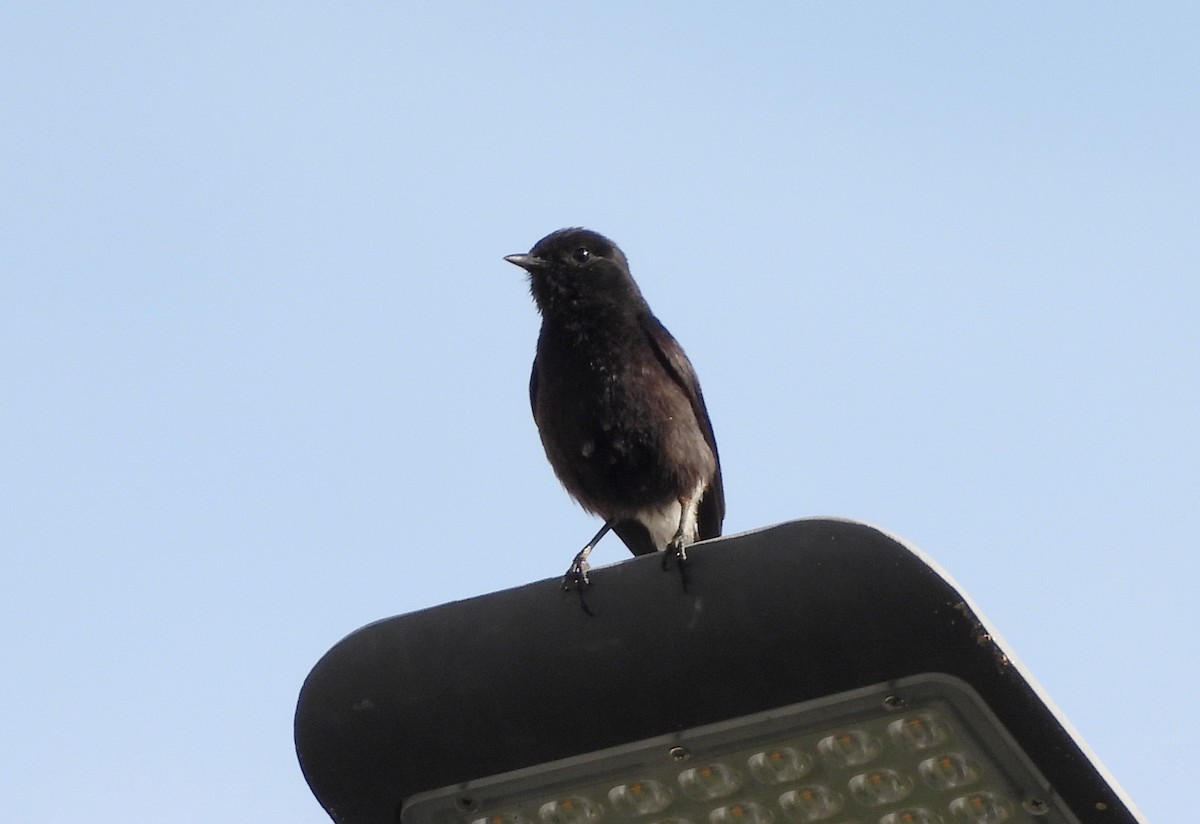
[617, 403]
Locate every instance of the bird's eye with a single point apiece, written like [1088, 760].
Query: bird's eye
[580, 255]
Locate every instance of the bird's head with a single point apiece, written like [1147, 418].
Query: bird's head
[577, 268]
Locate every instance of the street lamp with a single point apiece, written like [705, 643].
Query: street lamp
[816, 671]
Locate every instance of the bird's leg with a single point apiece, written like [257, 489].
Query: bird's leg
[576, 577]
[686, 533]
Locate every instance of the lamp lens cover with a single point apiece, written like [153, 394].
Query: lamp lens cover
[921, 750]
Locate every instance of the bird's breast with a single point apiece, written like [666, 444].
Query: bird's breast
[619, 431]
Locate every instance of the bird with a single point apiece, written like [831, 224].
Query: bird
[617, 404]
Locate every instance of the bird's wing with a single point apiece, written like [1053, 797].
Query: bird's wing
[670, 354]
[533, 388]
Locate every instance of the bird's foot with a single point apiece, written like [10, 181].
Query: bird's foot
[577, 574]
[677, 549]
[577, 579]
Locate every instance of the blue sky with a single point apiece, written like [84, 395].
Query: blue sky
[263, 371]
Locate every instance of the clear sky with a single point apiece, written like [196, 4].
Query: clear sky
[263, 370]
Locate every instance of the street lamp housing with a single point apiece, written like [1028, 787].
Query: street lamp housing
[819, 670]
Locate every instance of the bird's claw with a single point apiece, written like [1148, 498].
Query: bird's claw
[577, 579]
[677, 549]
[577, 575]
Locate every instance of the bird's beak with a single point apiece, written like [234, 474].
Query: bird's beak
[527, 262]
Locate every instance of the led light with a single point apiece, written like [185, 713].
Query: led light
[748, 813]
[576, 809]
[715, 780]
[783, 767]
[640, 797]
[779, 765]
[945, 772]
[816, 802]
[913, 815]
[919, 732]
[502, 818]
[880, 787]
[980, 808]
[849, 748]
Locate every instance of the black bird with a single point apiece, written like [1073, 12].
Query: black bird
[617, 403]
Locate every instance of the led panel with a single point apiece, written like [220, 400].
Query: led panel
[923, 750]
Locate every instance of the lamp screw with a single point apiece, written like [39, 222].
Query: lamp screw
[1036, 806]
